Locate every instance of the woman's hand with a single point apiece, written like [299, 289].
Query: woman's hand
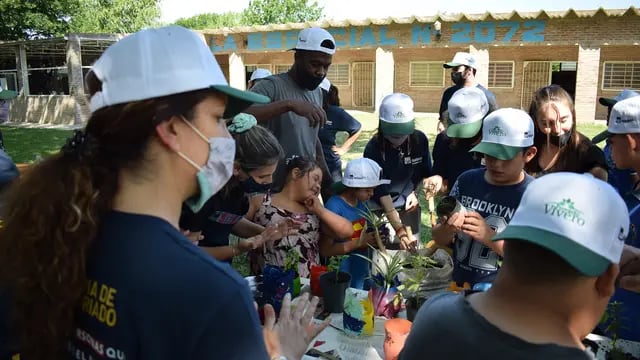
[294, 330]
[412, 202]
[272, 232]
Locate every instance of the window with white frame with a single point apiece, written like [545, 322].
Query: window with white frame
[280, 68]
[426, 74]
[620, 75]
[501, 74]
[338, 74]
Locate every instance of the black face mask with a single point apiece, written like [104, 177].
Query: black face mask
[307, 80]
[556, 140]
[457, 78]
[250, 186]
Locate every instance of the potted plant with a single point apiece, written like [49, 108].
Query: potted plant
[377, 224]
[424, 275]
[387, 300]
[334, 283]
[613, 348]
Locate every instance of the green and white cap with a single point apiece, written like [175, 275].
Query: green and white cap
[396, 115]
[580, 218]
[624, 119]
[505, 132]
[467, 107]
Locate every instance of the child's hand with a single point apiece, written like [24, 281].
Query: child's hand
[412, 202]
[475, 226]
[313, 205]
[194, 237]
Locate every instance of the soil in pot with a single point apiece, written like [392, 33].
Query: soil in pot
[333, 288]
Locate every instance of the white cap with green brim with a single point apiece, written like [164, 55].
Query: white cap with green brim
[396, 115]
[505, 133]
[578, 217]
[467, 107]
[624, 119]
[170, 60]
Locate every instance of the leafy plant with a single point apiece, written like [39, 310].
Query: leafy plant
[393, 265]
[376, 222]
[335, 262]
[613, 317]
[292, 260]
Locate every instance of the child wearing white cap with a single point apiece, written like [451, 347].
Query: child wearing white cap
[361, 177]
[451, 155]
[561, 256]
[621, 179]
[402, 152]
[490, 196]
[623, 137]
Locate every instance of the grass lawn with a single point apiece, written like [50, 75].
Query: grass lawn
[26, 145]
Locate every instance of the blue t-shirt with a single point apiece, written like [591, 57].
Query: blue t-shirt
[337, 120]
[405, 166]
[473, 262]
[354, 265]
[630, 301]
[618, 178]
[450, 163]
[152, 294]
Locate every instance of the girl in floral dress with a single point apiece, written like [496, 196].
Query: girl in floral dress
[299, 201]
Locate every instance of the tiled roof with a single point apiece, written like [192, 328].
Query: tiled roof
[327, 23]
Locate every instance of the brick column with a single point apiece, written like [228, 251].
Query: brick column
[482, 56]
[237, 73]
[385, 67]
[587, 82]
[76, 80]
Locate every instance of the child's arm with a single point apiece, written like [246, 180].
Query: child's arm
[246, 229]
[329, 247]
[330, 222]
[475, 226]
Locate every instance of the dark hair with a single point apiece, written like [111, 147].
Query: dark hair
[55, 210]
[303, 164]
[333, 97]
[568, 157]
[465, 143]
[533, 264]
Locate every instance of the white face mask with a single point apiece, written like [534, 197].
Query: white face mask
[396, 140]
[216, 172]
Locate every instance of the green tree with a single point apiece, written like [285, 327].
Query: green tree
[31, 19]
[115, 16]
[264, 12]
[211, 21]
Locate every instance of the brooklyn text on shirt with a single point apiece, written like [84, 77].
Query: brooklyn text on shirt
[487, 207]
[99, 301]
[98, 347]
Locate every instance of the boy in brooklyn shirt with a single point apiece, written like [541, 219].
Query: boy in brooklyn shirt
[489, 196]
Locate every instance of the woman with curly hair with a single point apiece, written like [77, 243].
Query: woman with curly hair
[93, 262]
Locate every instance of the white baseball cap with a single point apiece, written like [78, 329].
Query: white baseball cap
[505, 133]
[158, 62]
[258, 74]
[316, 39]
[462, 58]
[624, 119]
[588, 232]
[325, 84]
[396, 115]
[467, 107]
[624, 94]
[363, 173]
